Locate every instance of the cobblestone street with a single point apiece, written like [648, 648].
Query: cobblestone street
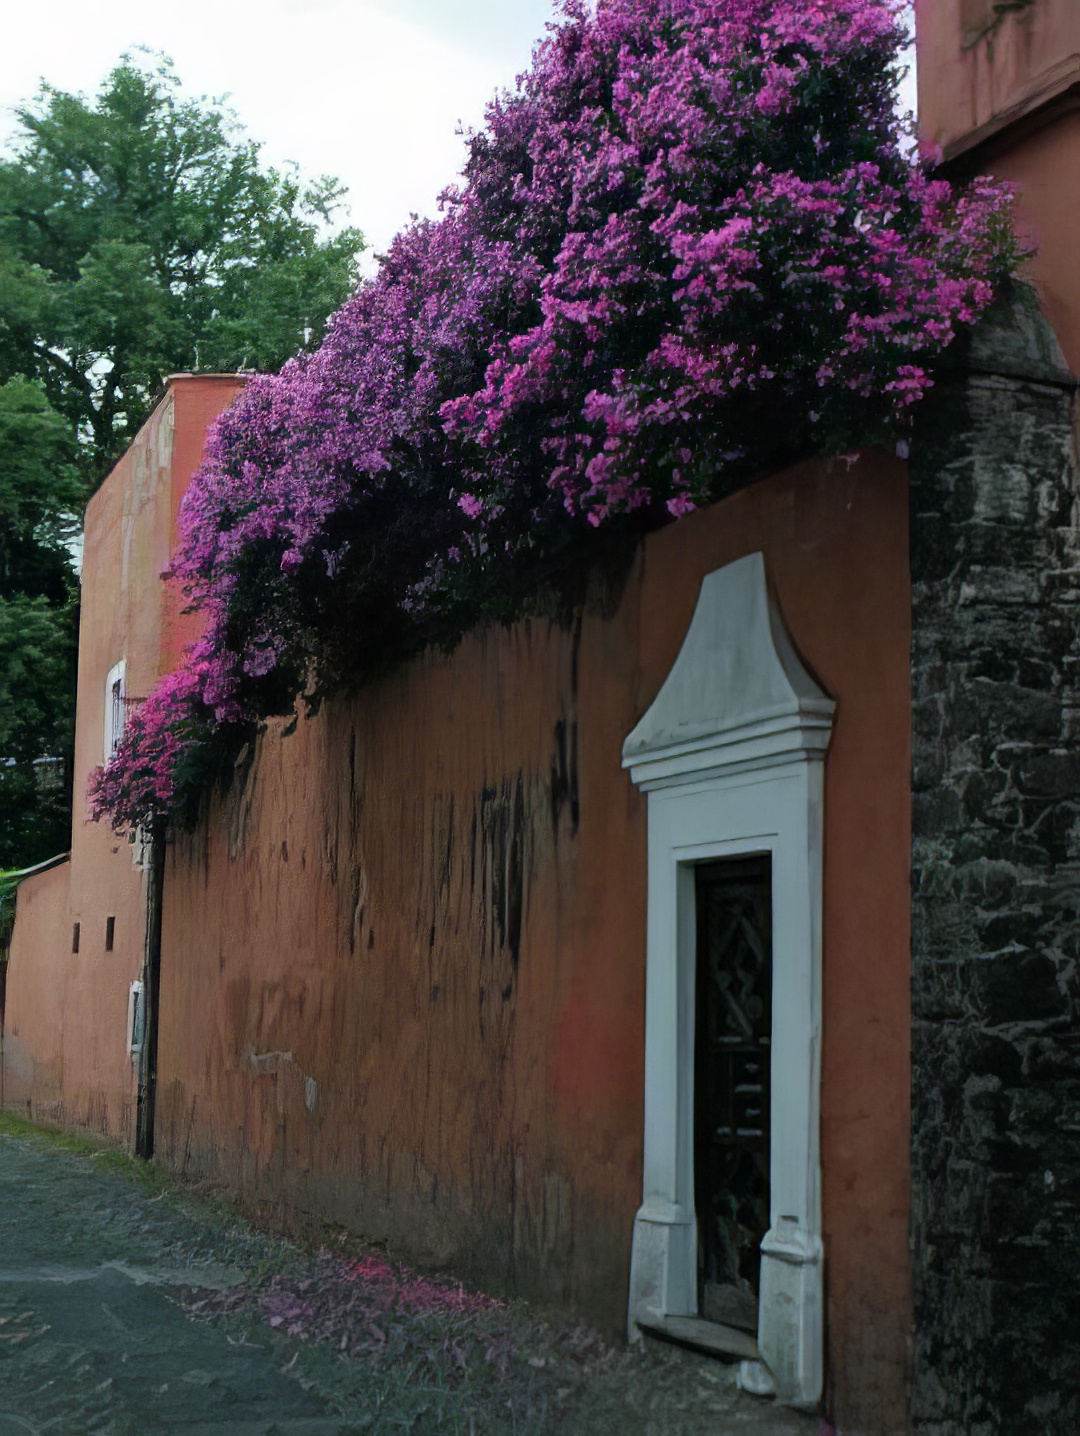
[92, 1337]
[129, 1308]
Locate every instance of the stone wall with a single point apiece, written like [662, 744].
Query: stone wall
[996, 891]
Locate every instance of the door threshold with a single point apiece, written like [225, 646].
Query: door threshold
[710, 1336]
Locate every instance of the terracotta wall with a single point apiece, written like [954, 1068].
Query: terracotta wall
[403, 964]
[33, 1053]
[982, 63]
[1008, 104]
[1045, 169]
[66, 1012]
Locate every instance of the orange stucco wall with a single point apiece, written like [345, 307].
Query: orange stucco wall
[34, 1068]
[403, 964]
[66, 1054]
[1045, 169]
[1003, 88]
[971, 73]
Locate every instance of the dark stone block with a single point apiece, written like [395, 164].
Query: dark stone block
[985, 707]
[937, 810]
[1001, 658]
[985, 544]
[989, 882]
[988, 1054]
[1023, 851]
[937, 996]
[937, 541]
[1053, 1057]
[1016, 986]
[984, 793]
[1016, 1206]
[1010, 1157]
[948, 926]
[1015, 927]
[979, 842]
[1050, 774]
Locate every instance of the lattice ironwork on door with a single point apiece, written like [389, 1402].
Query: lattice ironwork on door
[733, 1005]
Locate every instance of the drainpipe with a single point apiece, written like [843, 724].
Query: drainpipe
[144, 1134]
[3, 1003]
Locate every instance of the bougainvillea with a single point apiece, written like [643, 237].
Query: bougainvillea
[689, 246]
[165, 742]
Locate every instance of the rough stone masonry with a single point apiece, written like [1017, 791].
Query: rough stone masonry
[996, 890]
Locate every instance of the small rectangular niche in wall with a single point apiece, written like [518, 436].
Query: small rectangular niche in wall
[110, 933]
[75, 937]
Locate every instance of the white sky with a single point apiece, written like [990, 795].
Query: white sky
[372, 91]
[369, 90]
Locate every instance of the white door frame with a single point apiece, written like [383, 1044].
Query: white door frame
[731, 755]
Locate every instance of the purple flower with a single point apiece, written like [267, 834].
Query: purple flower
[688, 246]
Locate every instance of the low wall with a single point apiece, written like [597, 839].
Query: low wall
[403, 964]
[33, 1042]
[65, 1061]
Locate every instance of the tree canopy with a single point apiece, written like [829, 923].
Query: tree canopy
[40, 497]
[691, 246]
[140, 235]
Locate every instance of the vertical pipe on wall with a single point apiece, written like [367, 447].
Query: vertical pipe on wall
[144, 1135]
[3, 1000]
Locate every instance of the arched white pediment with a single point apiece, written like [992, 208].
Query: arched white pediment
[738, 690]
[737, 667]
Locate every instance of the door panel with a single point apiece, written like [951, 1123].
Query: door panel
[733, 1021]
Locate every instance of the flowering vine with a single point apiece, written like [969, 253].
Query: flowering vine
[690, 246]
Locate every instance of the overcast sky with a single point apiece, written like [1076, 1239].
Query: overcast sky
[372, 91]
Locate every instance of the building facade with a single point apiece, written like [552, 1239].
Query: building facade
[80, 935]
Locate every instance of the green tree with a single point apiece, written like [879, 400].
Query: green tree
[139, 236]
[40, 500]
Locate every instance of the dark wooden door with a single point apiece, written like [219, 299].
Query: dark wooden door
[733, 1007]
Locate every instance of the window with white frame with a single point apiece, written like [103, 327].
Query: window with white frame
[115, 707]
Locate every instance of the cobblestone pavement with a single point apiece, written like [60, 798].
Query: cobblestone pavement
[129, 1308]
